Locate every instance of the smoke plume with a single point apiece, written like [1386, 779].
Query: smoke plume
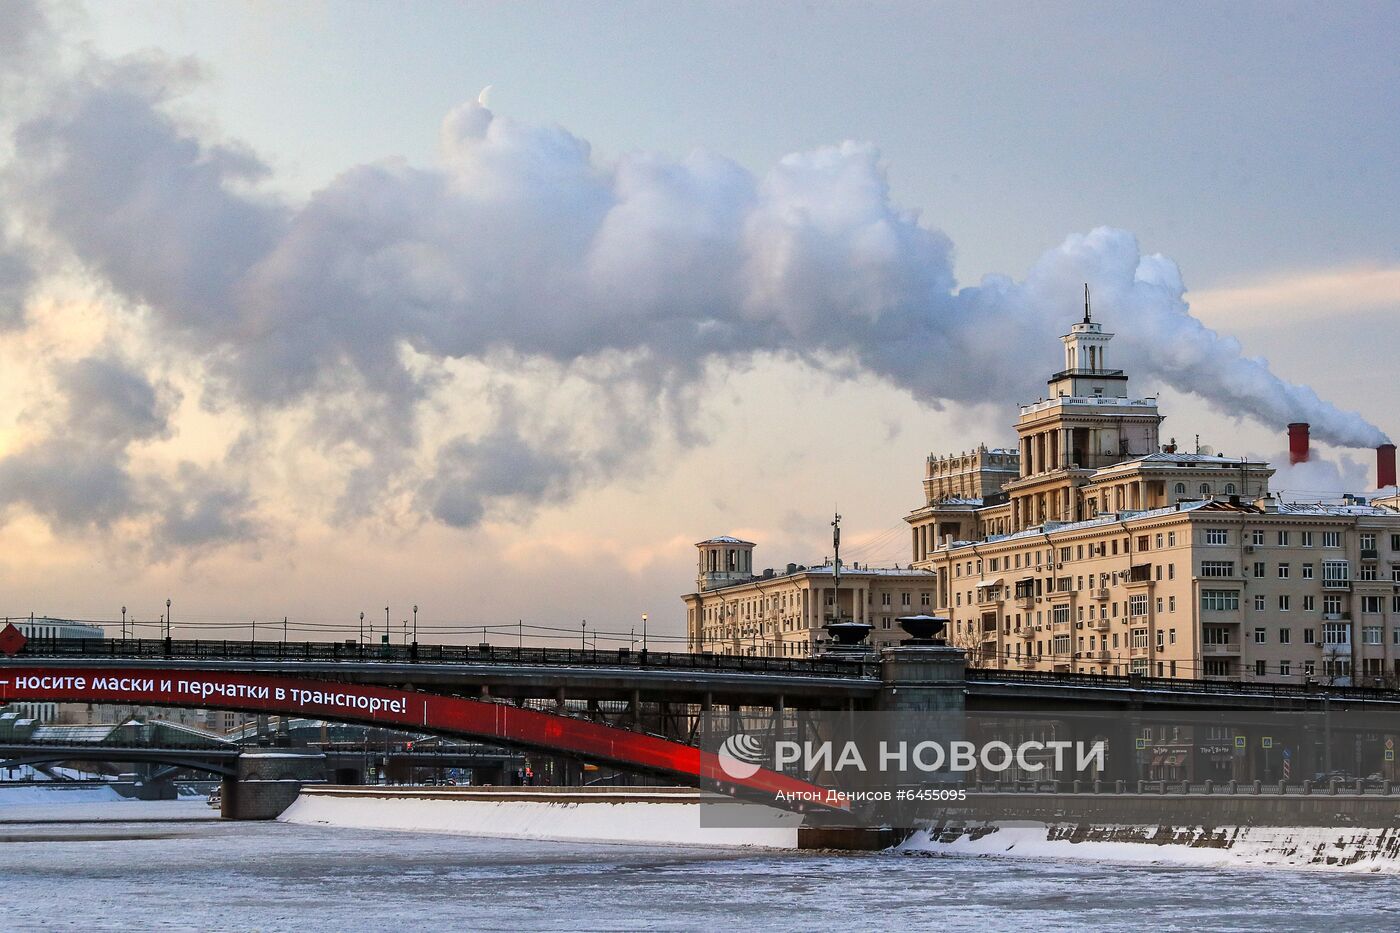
[520, 250]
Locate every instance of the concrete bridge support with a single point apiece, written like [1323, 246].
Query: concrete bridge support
[268, 780]
[928, 679]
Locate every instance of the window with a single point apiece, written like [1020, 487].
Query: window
[1395, 542]
[1259, 569]
[1259, 604]
[1257, 538]
[884, 599]
[1217, 568]
[1309, 668]
[1260, 637]
[1171, 539]
[1059, 615]
[1285, 636]
[1285, 668]
[1229, 489]
[1336, 633]
[1139, 638]
[1332, 605]
[1217, 536]
[1215, 634]
[1220, 600]
[1371, 634]
[1372, 604]
[1335, 572]
[1137, 605]
[1161, 640]
[1307, 538]
[1259, 668]
[1285, 603]
[1307, 571]
[1283, 539]
[1180, 489]
[925, 599]
[1331, 539]
[1366, 572]
[1283, 571]
[1368, 541]
[1171, 604]
[1205, 490]
[1159, 542]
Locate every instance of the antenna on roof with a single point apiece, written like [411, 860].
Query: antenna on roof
[1086, 304]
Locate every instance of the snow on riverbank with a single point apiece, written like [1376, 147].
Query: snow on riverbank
[1352, 849]
[607, 819]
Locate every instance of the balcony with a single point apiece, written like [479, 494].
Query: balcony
[1231, 648]
[1099, 593]
[1098, 654]
[1025, 602]
[1370, 553]
[1336, 616]
[1140, 573]
[1337, 585]
[1140, 652]
[1100, 625]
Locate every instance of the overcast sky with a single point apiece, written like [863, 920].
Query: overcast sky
[293, 323]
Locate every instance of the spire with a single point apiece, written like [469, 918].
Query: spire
[1087, 319]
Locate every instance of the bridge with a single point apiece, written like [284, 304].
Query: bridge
[600, 680]
[634, 711]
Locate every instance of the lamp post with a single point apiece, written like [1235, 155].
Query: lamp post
[415, 623]
[362, 628]
[644, 632]
[167, 618]
[387, 623]
[583, 640]
[284, 630]
[123, 623]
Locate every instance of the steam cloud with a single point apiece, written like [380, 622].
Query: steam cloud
[626, 279]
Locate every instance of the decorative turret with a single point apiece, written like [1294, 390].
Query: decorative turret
[724, 561]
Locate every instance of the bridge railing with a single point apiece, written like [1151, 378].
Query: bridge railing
[350, 651]
[1181, 685]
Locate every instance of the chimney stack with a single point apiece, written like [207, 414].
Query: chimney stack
[1385, 466]
[1298, 442]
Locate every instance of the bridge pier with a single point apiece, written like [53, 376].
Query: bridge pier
[923, 679]
[266, 781]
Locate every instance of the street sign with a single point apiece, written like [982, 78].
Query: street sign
[1240, 741]
[1266, 741]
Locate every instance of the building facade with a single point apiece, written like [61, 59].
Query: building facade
[781, 613]
[1110, 552]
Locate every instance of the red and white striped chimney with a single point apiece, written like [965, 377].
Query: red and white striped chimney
[1298, 442]
[1385, 466]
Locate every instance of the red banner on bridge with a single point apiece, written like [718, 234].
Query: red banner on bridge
[409, 709]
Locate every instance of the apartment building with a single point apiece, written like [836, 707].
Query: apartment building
[781, 613]
[1107, 551]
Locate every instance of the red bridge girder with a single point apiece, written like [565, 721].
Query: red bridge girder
[410, 709]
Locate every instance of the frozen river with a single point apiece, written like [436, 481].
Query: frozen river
[152, 866]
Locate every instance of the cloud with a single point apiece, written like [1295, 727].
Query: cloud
[521, 250]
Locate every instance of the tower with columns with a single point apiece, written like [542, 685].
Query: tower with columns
[724, 561]
[1087, 422]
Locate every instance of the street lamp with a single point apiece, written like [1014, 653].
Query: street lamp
[415, 623]
[123, 623]
[387, 623]
[167, 618]
[362, 628]
[644, 632]
[583, 640]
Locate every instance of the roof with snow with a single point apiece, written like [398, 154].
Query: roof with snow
[724, 539]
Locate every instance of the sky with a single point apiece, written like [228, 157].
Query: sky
[311, 309]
